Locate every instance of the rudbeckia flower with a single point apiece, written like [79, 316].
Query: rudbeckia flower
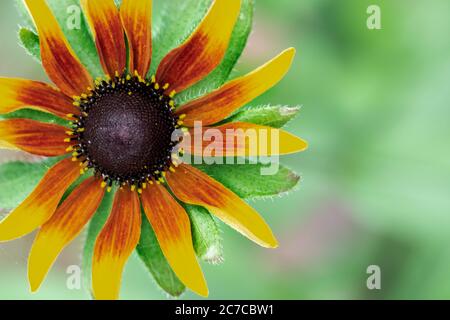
[119, 136]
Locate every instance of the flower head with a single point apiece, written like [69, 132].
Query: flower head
[120, 134]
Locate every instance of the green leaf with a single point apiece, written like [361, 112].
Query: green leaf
[30, 42]
[95, 226]
[150, 253]
[35, 115]
[247, 180]
[237, 45]
[69, 15]
[272, 116]
[174, 21]
[18, 180]
[206, 234]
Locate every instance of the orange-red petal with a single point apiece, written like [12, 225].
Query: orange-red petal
[41, 203]
[195, 187]
[58, 58]
[137, 19]
[115, 244]
[240, 139]
[221, 103]
[104, 20]
[203, 50]
[67, 223]
[173, 231]
[32, 136]
[18, 94]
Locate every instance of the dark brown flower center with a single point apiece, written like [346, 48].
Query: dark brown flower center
[126, 129]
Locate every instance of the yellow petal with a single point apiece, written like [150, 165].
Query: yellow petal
[203, 51]
[137, 19]
[58, 58]
[173, 231]
[64, 226]
[240, 139]
[114, 245]
[41, 203]
[221, 103]
[195, 187]
[32, 136]
[18, 94]
[104, 19]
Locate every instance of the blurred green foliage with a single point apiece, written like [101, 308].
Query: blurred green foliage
[375, 190]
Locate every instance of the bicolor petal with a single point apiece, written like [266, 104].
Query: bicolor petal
[64, 226]
[104, 19]
[137, 20]
[18, 94]
[221, 103]
[58, 58]
[240, 139]
[115, 244]
[194, 187]
[203, 51]
[35, 137]
[173, 231]
[40, 205]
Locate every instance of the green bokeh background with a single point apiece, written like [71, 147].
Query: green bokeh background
[376, 179]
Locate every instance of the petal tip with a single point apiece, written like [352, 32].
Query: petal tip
[292, 51]
[202, 289]
[271, 243]
[34, 281]
[294, 145]
[306, 145]
[290, 54]
[274, 245]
